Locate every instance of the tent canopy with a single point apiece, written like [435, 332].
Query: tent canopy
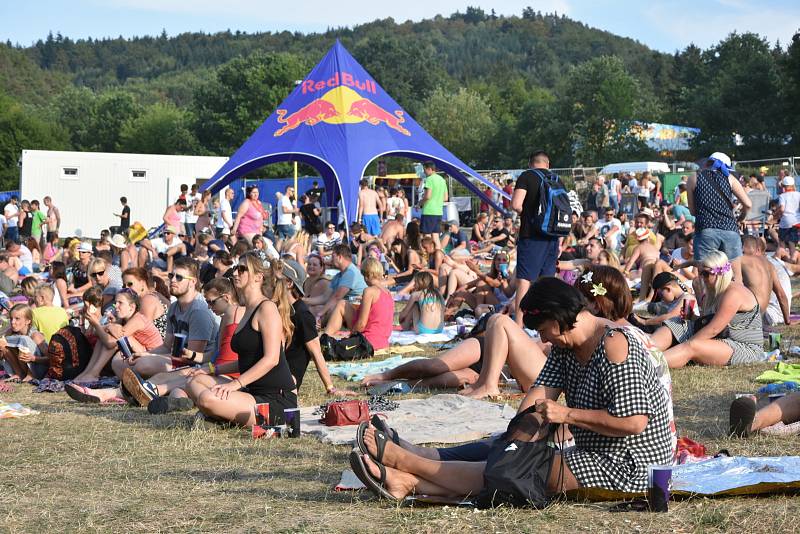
[635, 166]
[338, 119]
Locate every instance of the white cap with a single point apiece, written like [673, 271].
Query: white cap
[721, 156]
[788, 181]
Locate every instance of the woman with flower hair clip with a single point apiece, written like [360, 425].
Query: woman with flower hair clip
[730, 330]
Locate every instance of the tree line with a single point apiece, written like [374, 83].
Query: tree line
[488, 87]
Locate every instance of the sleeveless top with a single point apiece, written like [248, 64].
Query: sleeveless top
[746, 327]
[226, 353]
[711, 209]
[249, 345]
[379, 321]
[160, 322]
[252, 220]
[174, 219]
[148, 335]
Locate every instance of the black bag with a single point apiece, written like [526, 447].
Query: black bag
[355, 347]
[554, 216]
[704, 320]
[69, 352]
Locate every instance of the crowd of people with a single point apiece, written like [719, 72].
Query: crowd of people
[222, 310]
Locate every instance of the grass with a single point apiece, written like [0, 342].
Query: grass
[80, 467]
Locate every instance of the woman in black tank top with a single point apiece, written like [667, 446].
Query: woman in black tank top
[259, 341]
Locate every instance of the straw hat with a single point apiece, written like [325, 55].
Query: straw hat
[117, 241]
[136, 232]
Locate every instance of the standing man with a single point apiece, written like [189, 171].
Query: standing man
[225, 221]
[124, 216]
[537, 254]
[432, 203]
[191, 219]
[286, 211]
[614, 192]
[369, 205]
[38, 219]
[53, 219]
[11, 211]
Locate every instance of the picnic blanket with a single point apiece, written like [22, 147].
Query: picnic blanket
[356, 371]
[446, 418]
[400, 349]
[14, 410]
[408, 337]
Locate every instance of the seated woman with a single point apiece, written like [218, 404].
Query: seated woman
[374, 317]
[424, 312]
[493, 289]
[462, 364]
[316, 283]
[730, 332]
[23, 349]
[153, 304]
[128, 322]
[611, 391]
[259, 340]
[745, 419]
[403, 259]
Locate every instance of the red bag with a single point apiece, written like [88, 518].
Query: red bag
[344, 413]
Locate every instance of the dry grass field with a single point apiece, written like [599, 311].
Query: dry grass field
[78, 467]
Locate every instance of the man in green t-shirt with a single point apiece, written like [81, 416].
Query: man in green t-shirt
[39, 218]
[432, 202]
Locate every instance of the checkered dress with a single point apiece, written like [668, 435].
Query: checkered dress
[626, 389]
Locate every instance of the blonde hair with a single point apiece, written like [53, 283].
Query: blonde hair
[611, 257]
[280, 296]
[372, 269]
[97, 262]
[26, 311]
[46, 291]
[716, 259]
[29, 285]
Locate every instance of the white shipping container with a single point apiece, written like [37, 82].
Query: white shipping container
[86, 186]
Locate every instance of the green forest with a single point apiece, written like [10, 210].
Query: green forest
[489, 87]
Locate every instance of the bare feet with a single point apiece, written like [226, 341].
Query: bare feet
[377, 378]
[477, 391]
[398, 484]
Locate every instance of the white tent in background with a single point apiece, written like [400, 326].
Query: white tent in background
[636, 166]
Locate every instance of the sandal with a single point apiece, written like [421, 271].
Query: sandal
[742, 414]
[380, 440]
[376, 486]
[79, 394]
[380, 424]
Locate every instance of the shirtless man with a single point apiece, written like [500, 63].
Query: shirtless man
[646, 255]
[393, 229]
[369, 205]
[761, 278]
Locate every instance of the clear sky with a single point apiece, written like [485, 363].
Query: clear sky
[660, 24]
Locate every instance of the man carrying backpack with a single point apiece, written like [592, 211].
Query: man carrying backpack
[542, 202]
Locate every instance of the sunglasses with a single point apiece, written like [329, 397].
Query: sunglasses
[179, 277]
[706, 273]
[240, 269]
[98, 274]
[213, 302]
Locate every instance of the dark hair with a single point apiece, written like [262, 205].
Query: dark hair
[240, 248]
[249, 190]
[551, 298]
[689, 237]
[187, 263]
[616, 303]
[58, 269]
[221, 285]
[106, 255]
[363, 182]
[343, 251]
[356, 227]
[124, 200]
[184, 187]
[400, 259]
[224, 257]
[181, 201]
[413, 235]
[94, 296]
[429, 165]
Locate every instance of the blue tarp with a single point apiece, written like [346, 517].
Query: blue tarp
[338, 119]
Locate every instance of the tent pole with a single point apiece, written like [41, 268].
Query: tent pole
[296, 194]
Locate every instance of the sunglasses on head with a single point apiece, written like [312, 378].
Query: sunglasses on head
[98, 274]
[179, 277]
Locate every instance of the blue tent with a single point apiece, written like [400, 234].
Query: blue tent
[338, 120]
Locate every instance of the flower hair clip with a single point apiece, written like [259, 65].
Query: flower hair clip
[721, 269]
[598, 290]
[587, 277]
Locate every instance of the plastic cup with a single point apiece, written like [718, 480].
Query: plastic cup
[292, 417]
[774, 340]
[262, 413]
[659, 478]
[178, 344]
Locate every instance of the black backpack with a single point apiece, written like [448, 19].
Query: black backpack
[554, 215]
[354, 347]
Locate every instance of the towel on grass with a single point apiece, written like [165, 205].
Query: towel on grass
[447, 418]
[14, 410]
[783, 372]
[356, 371]
[408, 337]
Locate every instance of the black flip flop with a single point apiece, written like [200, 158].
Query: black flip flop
[380, 424]
[380, 441]
[742, 414]
[376, 486]
[78, 395]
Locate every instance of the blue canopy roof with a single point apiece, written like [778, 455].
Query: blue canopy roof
[338, 119]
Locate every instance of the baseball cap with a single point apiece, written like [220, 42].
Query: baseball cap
[294, 272]
[788, 181]
[452, 222]
[721, 156]
[663, 279]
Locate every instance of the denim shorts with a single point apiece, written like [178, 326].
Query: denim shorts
[711, 239]
[284, 231]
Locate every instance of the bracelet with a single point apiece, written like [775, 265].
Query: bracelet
[211, 369]
[241, 386]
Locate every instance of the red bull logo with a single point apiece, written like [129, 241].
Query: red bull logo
[341, 105]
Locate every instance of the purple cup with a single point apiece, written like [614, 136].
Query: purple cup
[659, 478]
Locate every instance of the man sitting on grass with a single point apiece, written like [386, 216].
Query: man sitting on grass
[347, 285]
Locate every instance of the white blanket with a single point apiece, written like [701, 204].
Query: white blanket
[447, 418]
[407, 337]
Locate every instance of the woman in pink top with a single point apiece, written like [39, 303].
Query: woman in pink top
[376, 313]
[250, 216]
[172, 216]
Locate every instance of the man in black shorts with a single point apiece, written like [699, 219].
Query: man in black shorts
[537, 254]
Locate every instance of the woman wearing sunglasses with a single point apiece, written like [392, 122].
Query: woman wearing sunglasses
[730, 330]
[99, 277]
[259, 339]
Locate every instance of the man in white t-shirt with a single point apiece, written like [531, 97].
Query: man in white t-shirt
[614, 190]
[191, 219]
[788, 208]
[225, 220]
[11, 212]
[285, 227]
[608, 229]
